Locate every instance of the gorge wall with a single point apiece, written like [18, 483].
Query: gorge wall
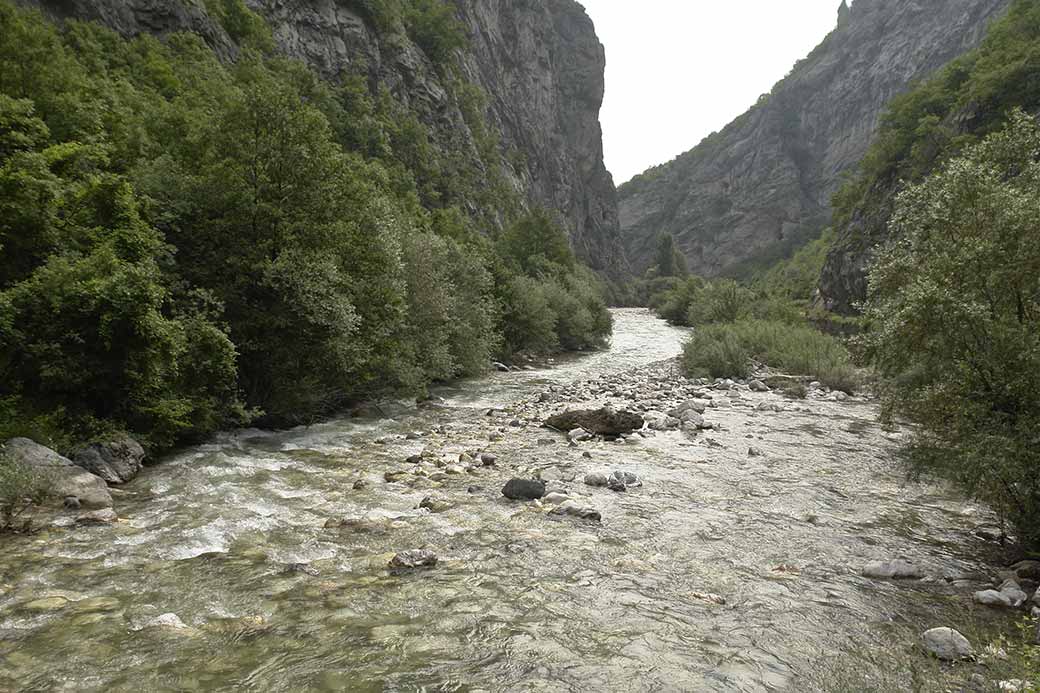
[540, 64]
[751, 193]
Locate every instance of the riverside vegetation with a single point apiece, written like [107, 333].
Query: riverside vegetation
[187, 245]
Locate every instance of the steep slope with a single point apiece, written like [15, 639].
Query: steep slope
[762, 186]
[922, 129]
[540, 64]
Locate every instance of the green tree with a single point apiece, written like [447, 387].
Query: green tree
[954, 311]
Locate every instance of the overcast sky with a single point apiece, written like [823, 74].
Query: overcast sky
[678, 70]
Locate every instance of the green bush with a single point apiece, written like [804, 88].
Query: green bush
[954, 316]
[21, 489]
[732, 350]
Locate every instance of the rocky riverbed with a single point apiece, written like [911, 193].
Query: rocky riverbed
[742, 541]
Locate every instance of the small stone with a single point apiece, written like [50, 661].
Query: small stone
[524, 489]
[391, 477]
[416, 558]
[616, 484]
[360, 484]
[415, 459]
[587, 455]
[992, 598]
[556, 497]
[435, 505]
[893, 570]
[455, 469]
[758, 386]
[596, 479]
[488, 459]
[71, 502]
[947, 644]
[754, 452]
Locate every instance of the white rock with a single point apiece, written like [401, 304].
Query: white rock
[992, 598]
[947, 644]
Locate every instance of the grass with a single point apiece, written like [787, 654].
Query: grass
[732, 350]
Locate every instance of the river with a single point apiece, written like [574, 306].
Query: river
[221, 576]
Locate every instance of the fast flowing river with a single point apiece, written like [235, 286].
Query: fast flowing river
[221, 575]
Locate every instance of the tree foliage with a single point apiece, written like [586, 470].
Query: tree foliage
[186, 244]
[954, 308]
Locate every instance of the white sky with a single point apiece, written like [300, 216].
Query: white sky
[678, 70]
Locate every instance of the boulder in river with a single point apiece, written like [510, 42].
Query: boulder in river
[416, 558]
[893, 570]
[63, 478]
[524, 489]
[947, 644]
[603, 422]
[116, 461]
[596, 479]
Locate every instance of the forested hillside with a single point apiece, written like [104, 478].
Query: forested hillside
[192, 238]
[969, 99]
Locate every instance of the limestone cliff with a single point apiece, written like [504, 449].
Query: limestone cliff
[540, 64]
[762, 186]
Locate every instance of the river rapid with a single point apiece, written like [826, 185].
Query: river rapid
[723, 572]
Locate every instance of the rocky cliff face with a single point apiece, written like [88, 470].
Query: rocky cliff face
[540, 64]
[762, 186]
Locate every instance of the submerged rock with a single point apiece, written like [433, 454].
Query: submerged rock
[116, 461]
[574, 509]
[416, 558]
[524, 489]
[64, 479]
[893, 570]
[603, 422]
[104, 516]
[947, 644]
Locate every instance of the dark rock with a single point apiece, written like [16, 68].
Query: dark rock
[72, 502]
[603, 422]
[616, 484]
[302, 568]
[488, 459]
[524, 489]
[360, 484]
[416, 558]
[116, 461]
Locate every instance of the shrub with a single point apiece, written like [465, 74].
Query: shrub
[731, 350]
[954, 312]
[21, 489]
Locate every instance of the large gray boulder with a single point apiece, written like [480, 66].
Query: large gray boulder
[947, 644]
[603, 422]
[116, 461]
[64, 479]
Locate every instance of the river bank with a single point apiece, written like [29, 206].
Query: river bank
[259, 561]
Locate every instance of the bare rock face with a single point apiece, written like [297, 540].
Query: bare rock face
[540, 64]
[64, 479]
[763, 185]
[115, 461]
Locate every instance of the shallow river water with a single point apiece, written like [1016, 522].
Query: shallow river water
[220, 574]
